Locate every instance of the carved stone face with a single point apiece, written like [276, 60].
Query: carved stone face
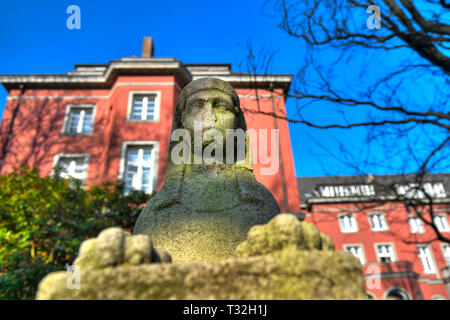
[214, 108]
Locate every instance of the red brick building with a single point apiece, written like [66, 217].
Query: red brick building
[367, 217]
[107, 121]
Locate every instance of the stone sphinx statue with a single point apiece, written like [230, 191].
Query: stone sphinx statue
[206, 207]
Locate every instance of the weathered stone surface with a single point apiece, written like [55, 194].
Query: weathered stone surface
[288, 274]
[204, 211]
[299, 264]
[110, 247]
[113, 247]
[284, 231]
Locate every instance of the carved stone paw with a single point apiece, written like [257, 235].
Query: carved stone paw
[283, 232]
[114, 246]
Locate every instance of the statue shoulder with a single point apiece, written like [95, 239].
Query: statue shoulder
[170, 192]
[250, 189]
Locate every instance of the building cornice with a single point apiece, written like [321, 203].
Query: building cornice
[105, 75]
[399, 274]
[86, 78]
[317, 200]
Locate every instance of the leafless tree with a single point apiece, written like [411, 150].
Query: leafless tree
[391, 82]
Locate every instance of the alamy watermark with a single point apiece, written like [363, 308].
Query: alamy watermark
[74, 20]
[373, 278]
[374, 21]
[234, 145]
[74, 280]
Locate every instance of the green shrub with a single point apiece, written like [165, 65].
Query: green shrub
[43, 220]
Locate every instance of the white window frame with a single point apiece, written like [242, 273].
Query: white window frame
[154, 165]
[411, 190]
[442, 227]
[354, 219]
[343, 191]
[86, 156]
[72, 106]
[362, 259]
[420, 226]
[371, 214]
[394, 254]
[433, 269]
[368, 190]
[435, 189]
[157, 95]
[445, 247]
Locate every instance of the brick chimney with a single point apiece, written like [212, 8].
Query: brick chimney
[147, 47]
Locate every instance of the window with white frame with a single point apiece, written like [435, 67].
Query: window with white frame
[79, 119]
[357, 251]
[385, 253]
[441, 223]
[347, 223]
[435, 190]
[446, 252]
[72, 166]
[347, 191]
[414, 190]
[415, 224]
[427, 259]
[378, 221]
[139, 168]
[143, 106]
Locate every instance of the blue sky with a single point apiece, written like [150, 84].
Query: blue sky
[34, 39]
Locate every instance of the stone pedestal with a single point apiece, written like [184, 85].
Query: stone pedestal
[284, 259]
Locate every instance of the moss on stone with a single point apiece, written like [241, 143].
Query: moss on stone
[327, 242]
[87, 258]
[282, 232]
[284, 259]
[203, 211]
[209, 224]
[114, 246]
[287, 274]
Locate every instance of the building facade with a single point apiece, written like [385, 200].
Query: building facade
[376, 218]
[102, 122]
